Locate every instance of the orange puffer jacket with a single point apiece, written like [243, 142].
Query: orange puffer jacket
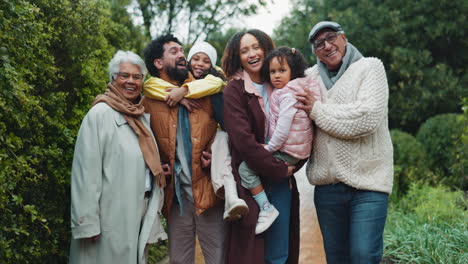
[203, 129]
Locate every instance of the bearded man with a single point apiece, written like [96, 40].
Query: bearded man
[190, 204]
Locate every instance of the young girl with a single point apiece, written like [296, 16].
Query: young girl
[201, 60]
[290, 129]
[209, 81]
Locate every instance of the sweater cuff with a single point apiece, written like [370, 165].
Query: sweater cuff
[85, 231]
[315, 110]
[186, 85]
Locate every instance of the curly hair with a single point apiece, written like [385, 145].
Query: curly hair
[293, 57]
[155, 50]
[230, 62]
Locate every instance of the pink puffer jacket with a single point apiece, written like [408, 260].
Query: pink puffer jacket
[299, 141]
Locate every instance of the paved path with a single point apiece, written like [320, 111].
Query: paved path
[311, 251]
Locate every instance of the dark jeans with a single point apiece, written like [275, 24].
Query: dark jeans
[352, 223]
[277, 235]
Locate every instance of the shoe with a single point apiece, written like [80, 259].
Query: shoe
[234, 207]
[266, 219]
[234, 210]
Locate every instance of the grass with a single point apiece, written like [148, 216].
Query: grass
[415, 235]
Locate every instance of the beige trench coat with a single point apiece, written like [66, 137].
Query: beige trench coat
[107, 192]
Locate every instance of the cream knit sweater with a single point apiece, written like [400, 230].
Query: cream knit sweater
[352, 143]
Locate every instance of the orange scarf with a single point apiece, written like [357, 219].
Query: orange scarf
[132, 113]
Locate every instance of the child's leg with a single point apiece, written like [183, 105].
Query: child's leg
[268, 212]
[285, 157]
[220, 162]
[223, 180]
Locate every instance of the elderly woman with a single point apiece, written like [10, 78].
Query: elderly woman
[352, 158]
[117, 179]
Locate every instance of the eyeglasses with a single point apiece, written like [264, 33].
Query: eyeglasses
[125, 76]
[330, 38]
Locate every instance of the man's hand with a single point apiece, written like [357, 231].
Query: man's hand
[167, 171]
[175, 95]
[307, 100]
[205, 159]
[190, 104]
[93, 238]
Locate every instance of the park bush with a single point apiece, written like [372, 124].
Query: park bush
[410, 162]
[441, 137]
[428, 225]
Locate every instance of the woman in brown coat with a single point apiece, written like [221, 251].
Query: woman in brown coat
[246, 120]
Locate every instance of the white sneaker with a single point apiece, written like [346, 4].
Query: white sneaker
[266, 219]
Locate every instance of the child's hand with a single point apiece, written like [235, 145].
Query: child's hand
[175, 95]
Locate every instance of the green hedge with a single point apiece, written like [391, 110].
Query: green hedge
[441, 137]
[410, 162]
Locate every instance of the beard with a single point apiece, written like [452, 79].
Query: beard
[177, 74]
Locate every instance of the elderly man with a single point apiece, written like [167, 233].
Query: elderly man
[191, 206]
[352, 159]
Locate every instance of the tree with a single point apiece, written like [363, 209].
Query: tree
[193, 18]
[129, 36]
[420, 42]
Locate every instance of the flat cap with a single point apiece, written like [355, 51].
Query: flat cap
[321, 25]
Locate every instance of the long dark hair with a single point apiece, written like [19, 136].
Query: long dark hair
[291, 56]
[231, 58]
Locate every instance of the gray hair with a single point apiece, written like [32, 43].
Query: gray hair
[122, 57]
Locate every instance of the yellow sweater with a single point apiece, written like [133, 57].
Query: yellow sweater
[155, 88]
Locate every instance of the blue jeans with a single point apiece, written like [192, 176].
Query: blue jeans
[277, 236]
[352, 223]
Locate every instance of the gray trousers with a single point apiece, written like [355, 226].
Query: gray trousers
[209, 226]
[250, 179]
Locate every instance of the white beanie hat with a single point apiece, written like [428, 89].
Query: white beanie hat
[206, 48]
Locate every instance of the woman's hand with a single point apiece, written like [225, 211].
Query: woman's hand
[175, 95]
[190, 104]
[93, 238]
[307, 100]
[291, 169]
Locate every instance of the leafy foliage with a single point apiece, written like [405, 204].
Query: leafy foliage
[440, 136]
[410, 163]
[53, 60]
[194, 18]
[420, 42]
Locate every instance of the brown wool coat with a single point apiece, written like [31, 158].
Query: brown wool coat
[245, 124]
[203, 128]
